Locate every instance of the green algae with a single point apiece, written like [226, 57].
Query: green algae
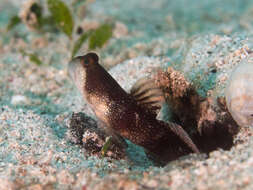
[97, 38]
[100, 36]
[14, 21]
[33, 57]
[78, 44]
[62, 16]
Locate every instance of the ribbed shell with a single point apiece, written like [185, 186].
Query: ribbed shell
[239, 94]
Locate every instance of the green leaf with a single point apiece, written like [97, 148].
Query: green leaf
[106, 146]
[62, 16]
[100, 36]
[14, 21]
[48, 21]
[79, 42]
[34, 58]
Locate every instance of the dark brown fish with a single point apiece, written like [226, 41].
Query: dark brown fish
[129, 115]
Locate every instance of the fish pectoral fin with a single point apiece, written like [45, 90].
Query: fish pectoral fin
[148, 94]
[116, 139]
[119, 141]
[113, 140]
[180, 132]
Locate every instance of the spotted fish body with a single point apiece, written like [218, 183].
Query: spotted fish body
[123, 115]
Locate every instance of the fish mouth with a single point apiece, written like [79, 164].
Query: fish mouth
[77, 73]
[89, 58]
[73, 67]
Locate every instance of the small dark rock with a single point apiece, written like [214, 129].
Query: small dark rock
[83, 130]
[79, 123]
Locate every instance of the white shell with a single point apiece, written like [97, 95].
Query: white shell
[239, 94]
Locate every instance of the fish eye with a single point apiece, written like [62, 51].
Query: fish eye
[86, 61]
[90, 58]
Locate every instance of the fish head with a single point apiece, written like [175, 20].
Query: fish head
[78, 68]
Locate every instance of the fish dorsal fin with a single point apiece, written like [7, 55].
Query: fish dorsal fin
[148, 95]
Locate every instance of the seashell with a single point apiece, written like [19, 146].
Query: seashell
[239, 94]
